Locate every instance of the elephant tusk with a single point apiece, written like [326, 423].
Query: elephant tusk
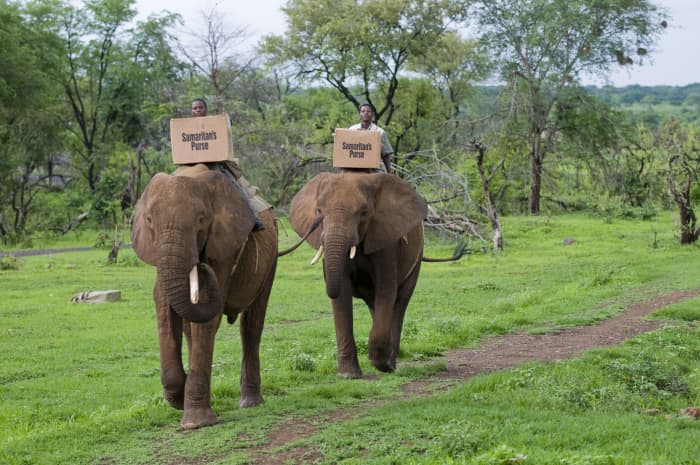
[318, 255]
[353, 251]
[194, 285]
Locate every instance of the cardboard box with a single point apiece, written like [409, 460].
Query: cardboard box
[356, 149]
[201, 139]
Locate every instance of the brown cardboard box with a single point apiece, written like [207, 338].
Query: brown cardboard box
[356, 149]
[201, 139]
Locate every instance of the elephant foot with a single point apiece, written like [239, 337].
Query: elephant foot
[349, 368]
[250, 401]
[349, 371]
[350, 374]
[250, 395]
[175, 399]
[198, 418]
[386, 366]
[382, 360]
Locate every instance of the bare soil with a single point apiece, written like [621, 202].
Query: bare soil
[494, 354]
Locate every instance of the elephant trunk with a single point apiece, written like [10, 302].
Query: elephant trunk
[175, 272]
[336, 254]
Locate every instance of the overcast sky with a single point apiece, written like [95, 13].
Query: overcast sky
[675, 63]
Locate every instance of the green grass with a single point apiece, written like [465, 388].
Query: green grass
[79, 383]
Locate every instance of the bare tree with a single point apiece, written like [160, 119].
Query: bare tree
[488, 207]
[682, 144]
[218, 54]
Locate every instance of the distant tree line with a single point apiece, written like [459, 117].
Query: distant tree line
[679, 96]
[86, 94]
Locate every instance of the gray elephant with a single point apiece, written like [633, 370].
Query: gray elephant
[372, 237]
[195, 228]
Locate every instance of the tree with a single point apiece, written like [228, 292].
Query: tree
[360, 48]
[29, 129]
[454, 65]
[104, 69]
[681, 142]
[544, 47]
[91, 44]
[115, 78]
[217, 55]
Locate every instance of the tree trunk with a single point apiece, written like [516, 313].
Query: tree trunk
[535, 177]
[489, 207]
[688, 221]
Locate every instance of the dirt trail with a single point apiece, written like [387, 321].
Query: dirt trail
[494, 354]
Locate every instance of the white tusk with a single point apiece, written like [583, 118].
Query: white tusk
[353, 251]
[194, 285]
[317, 257]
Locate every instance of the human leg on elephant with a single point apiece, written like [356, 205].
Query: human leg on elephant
[234, 174]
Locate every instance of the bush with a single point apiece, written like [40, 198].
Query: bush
[9, 262]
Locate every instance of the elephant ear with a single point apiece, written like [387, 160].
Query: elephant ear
[302, 212]
[142, 236]
[232, 217]
[397, 210]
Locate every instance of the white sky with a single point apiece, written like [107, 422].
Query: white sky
[675, 62]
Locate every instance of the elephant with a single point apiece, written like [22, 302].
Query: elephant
[195, 227]
[371, 239]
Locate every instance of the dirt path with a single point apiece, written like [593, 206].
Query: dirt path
[32, 252]
[493, 355]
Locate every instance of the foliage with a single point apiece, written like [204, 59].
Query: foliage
[367, 45]
[9, 262]
[545, 47]
[30, 141]
[653, 103]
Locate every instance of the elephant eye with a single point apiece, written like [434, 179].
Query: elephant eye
[149, 220]
[364, 212]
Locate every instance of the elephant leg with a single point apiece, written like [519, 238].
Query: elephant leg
[172, 373]
[404, 296]
[251, 327]
[200, 339]
[348, 364]
[382, 352]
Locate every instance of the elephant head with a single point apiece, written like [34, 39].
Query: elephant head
[184, 222]
[359, 210]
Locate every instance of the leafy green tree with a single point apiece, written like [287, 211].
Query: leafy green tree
[105, 71]
[117, 79]
[360, 48]
[29, 129]
[454, 65]
[544, 47]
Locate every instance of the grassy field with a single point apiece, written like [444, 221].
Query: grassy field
[79, 384]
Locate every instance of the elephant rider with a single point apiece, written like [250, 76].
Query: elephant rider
[366, 123]
[232, 170]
